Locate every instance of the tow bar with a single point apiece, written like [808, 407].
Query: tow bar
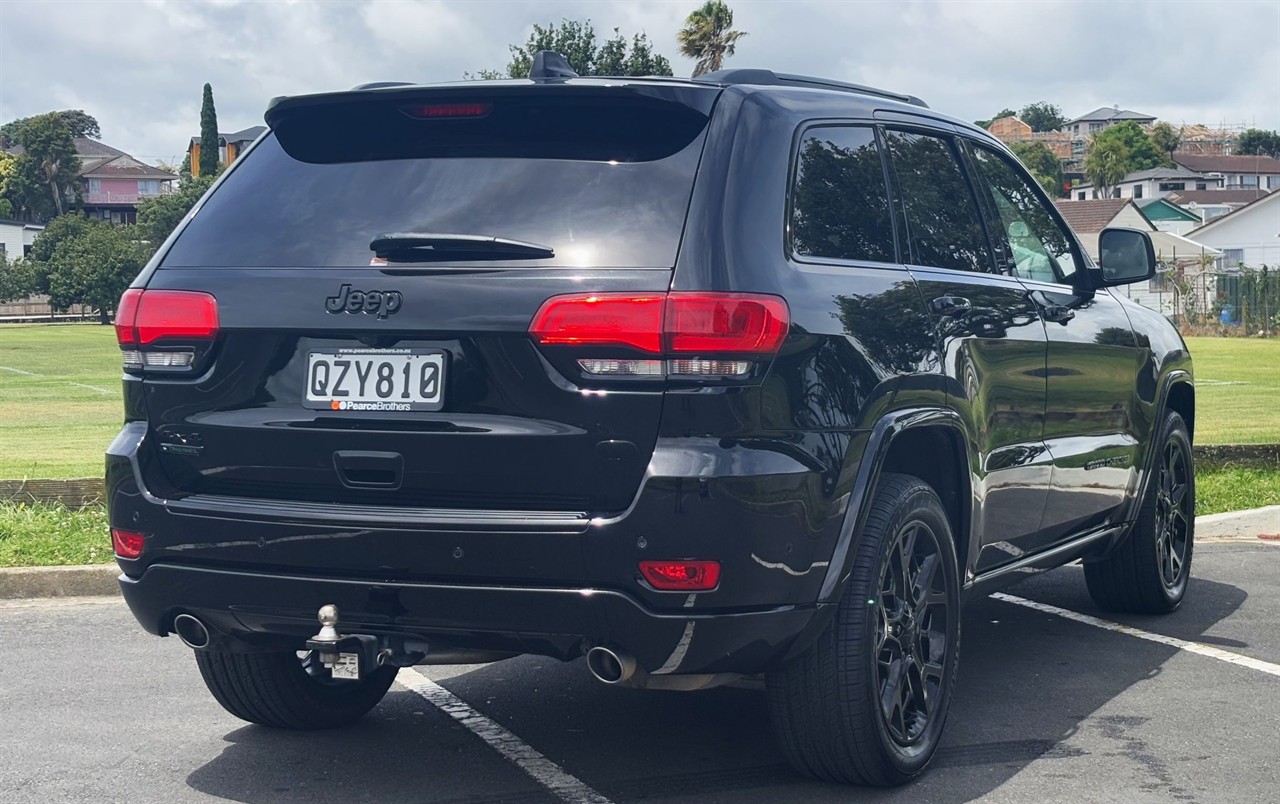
[347, 657]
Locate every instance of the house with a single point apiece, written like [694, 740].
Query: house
[113, 183]
[1010, 129]
[16, 238]
[1237, 172]
[1248, 236]
[230, 146]
[1176, 254]
[1210, 204]
[1168, 216]
[1153, 183]
[1098, 119]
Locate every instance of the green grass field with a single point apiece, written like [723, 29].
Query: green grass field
[60, 396]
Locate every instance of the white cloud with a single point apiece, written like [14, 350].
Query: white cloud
[139, 66]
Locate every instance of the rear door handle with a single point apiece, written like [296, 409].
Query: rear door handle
[950, 305]
[358, 469]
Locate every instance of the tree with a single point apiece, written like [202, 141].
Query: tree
[79, 123]
[1044, 166]
[1106, 164]
[706, 36]
[208, 134]
[1256, 142]
[7, 164]
[17, 279]
[43, 176]
[159, 215]
[89, 263]
[576, 41]
[1142, 153]
[1043, 116]
[1165, 138]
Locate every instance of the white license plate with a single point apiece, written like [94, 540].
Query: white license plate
[375, 380]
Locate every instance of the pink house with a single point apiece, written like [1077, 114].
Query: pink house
[113, 183]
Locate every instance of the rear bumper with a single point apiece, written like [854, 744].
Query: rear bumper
[280, 611]
[531, 582]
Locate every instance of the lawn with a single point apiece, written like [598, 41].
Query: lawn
[1237, 390]
[59, 399]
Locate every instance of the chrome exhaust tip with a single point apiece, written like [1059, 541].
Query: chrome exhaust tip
[609, 666]
[191, 631]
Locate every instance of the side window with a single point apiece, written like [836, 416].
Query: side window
[943, 224]
[1038, 246]
[840, 208]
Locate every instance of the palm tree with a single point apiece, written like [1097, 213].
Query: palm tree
[1106, 164]
[706, 36]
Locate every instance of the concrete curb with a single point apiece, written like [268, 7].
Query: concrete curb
[96, 579]
[100, 579]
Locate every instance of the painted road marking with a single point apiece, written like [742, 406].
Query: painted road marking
[19, 371]
[545, 772]
[1174, 642]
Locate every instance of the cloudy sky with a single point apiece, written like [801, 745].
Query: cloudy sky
[139, 66]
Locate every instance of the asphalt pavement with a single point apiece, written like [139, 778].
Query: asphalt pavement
[1048, 708]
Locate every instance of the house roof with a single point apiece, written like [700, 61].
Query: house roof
[1164, 209]
[1184, 197]
[1228, 164]
[1110, 114]
[87, 149]
[1175, 172]
[123, 167]
[1268, 200]
[1088, 217]
[243, 135]
[23, 224]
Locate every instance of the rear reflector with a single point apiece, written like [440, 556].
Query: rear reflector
[146, 316]
[681, 576]
[702, 324]
[127, 543]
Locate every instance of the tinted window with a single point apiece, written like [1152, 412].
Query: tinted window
[1038, 247]
[276, 211]
[943, 224]
[840, 207]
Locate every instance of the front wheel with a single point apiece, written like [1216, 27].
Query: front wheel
[867, 702]
[1147, 573]
[289, 690]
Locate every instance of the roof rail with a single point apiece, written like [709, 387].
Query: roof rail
[770, 78]
[381, 85]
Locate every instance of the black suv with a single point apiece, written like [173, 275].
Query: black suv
[752, 374]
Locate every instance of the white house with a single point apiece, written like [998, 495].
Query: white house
[1098, 119]
[1174, 252]
[1237, 172]
[1154, 183]
[16, 238]
[1249, 236]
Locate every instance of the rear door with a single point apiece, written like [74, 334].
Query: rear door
[408, 378]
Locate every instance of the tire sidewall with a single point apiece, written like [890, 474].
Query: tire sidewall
[1174, 429]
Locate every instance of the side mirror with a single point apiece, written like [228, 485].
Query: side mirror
[1126, 256]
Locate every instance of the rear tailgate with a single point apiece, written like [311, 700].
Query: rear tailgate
[336, 378]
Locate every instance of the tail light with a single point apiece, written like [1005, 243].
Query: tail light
[681, 576]
[127, 543]
[160, 329]
[689, 334]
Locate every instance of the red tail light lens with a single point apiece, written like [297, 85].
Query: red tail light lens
[681, 576]
[126, 315]
[601, 319]
[144, 317]
[127, 543]
[706, 324]
[436, 111]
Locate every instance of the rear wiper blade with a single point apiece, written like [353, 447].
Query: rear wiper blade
[434, 247]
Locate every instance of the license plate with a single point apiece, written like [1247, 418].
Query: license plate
[375, 380]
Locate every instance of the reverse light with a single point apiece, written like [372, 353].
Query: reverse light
[127, 543]
[681, 576]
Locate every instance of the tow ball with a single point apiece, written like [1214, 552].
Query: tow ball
[347, 657]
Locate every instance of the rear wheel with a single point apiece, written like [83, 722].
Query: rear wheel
[289, 690]
[867, 702]
[1147, 573]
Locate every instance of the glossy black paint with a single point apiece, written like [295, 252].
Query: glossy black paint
[523, 506]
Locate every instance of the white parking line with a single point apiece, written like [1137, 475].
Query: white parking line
[1174, 642]
[19, 371]
[544, 771]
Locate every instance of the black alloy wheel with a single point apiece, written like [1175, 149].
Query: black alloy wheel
[1173, 514]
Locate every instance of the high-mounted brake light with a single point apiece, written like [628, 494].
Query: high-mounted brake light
[681, 576]
[436, 111]
[703, 334]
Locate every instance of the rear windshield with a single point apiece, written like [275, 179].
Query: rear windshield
[276, 211]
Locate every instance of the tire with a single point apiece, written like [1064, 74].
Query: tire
[284, 691]
[1147, 572]
[826, 705]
